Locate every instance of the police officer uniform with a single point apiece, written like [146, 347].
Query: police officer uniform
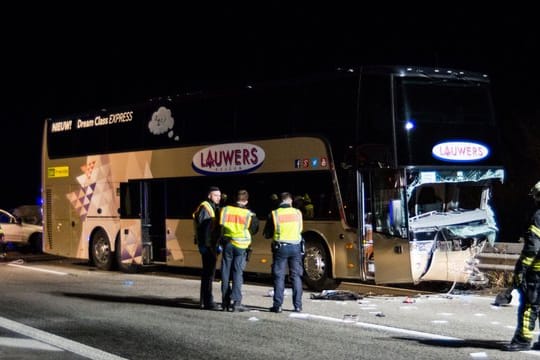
[284, 226]
[238, 225]
[206, 236]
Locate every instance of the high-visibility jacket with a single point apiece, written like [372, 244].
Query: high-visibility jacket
[287, 224]
[205, 224]
[207, 206]
[236, 222]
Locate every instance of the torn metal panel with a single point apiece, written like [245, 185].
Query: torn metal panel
[452, 230]
[418, 177]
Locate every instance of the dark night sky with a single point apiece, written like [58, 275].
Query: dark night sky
[95, 58]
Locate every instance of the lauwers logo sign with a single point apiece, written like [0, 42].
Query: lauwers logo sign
[233, 158]
[460, 151]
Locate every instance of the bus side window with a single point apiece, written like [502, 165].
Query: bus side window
[390, 213]
[304, 204]
[396, 218]
[383, 210]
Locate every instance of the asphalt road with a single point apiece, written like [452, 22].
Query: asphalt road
[60, 309]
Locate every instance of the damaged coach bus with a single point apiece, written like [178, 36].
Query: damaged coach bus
[394, 168]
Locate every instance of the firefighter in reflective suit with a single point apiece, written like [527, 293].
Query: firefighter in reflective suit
[527, 282]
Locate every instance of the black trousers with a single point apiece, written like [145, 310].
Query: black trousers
[209, 259]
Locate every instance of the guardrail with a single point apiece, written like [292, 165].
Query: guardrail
[500, 257]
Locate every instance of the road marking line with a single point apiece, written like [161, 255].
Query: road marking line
[420, 334]
[60, 342]
[37, 269]
[26, 344]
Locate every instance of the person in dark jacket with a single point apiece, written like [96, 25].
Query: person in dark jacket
[207, 234]
[527, 282]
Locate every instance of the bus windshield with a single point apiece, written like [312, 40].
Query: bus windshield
[427, 108]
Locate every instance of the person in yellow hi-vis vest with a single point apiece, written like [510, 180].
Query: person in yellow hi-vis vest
[207, 233]
[284, 226]
[527, 282]
[238, 224]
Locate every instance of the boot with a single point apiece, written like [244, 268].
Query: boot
[517, 345]
[238, 307]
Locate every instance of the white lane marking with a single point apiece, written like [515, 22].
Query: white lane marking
[26, 344]
[60, 342]
[420, 334]
[479, 355]
[37, 269]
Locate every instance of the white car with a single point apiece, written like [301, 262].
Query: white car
[20, 233]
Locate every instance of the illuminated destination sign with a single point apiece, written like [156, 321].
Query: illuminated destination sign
[228, 158]
[460, 151]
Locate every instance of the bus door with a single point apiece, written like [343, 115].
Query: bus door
[153, 204]
[388, 213]
[142, 223]
[62, 221]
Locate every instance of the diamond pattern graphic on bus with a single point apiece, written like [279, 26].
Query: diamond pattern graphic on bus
[95, 191]
[81, 200]
[88, 168]
[174, 250]
[131, 248]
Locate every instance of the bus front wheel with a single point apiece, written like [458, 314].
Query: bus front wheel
[100, 250]
[317, 266]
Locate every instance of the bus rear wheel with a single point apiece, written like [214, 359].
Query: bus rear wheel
[127, 267]
[317, 266]
[100, 250]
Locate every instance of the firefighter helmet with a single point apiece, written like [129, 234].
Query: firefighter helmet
[535, 191]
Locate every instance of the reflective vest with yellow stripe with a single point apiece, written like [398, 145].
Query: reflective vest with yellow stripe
[287, 224]
[207, 206]
[236, 222]
[529, 260]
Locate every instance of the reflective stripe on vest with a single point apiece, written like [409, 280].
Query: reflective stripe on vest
[535, 230]
[207, 207]
[236, 222]
[288, 224]
[533, 261]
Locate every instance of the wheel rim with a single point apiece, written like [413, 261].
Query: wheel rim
[102, 250]
[314, 263]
